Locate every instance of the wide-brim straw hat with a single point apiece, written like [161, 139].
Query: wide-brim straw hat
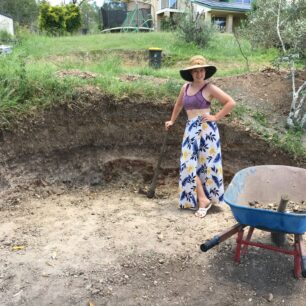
[195, 62]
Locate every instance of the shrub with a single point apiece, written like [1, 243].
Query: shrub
[192, 27]
[5, 37]
[56, 20]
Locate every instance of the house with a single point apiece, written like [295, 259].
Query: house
[162, 9]
[6, 24]
[226, 14]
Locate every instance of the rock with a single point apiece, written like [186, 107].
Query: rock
[270, 297]
[95, 291]
[95, 181]
[160, 237]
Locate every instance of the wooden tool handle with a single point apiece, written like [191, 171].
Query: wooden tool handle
[151, 191]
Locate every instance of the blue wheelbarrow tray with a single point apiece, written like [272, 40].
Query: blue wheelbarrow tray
[266, 184]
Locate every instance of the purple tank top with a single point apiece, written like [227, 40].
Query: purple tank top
[196, 101]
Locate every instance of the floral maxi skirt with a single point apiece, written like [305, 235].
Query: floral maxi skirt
[201, 156]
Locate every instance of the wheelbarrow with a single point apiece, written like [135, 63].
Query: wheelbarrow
[266, 184]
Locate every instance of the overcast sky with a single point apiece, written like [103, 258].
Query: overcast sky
[57, 2]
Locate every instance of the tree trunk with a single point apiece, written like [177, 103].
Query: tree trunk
[297, 115]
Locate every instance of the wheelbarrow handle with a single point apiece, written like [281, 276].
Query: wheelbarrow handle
[221, 237]
[303, 264]
[210, 244]
[299, 241]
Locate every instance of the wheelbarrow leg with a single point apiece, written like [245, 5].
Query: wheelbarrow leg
[239, 244]
[248, 238]
[299, 257]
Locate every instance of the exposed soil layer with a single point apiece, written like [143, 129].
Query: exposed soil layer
[74, 229]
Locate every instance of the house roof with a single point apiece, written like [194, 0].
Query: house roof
[224, 6]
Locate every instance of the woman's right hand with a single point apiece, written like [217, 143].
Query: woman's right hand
[168, 124]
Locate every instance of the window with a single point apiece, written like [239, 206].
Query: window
[220, 23]
[173, 4]
[242, 1]
[168, 4]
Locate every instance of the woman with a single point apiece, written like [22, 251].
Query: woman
[201, 178]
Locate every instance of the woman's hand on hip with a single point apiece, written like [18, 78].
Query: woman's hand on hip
[168, 124]
[208, 117]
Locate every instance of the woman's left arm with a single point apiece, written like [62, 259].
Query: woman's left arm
[228, 103]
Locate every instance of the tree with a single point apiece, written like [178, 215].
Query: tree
[79, 2]
[24, 12]
[52, 19]
[282, 24]
[191, 27]
[57, 20]
[72, 18]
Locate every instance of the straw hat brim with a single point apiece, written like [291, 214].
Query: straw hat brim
[186, 72]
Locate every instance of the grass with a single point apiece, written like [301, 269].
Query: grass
[29, 78]
[260, 118]
[239, 111]
[222, 49]
[41, 46]
[106, 54]
[290, 142]
[25, 87]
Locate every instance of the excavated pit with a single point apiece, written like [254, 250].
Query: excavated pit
[96, 141]
[75, 230]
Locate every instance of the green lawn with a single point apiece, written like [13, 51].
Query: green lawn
[30, 76]
[223, 49]
[30, 80]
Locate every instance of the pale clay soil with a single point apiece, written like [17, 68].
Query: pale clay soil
[114, 246]
[104, 243]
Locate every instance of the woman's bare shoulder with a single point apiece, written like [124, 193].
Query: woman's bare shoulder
[212, 87]
[184, 86]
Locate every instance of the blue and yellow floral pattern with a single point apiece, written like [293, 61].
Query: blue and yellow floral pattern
[201, 155]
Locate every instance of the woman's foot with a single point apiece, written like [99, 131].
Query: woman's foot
[204, 202]
[202, 211]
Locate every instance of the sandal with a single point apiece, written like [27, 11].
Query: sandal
[202, 211]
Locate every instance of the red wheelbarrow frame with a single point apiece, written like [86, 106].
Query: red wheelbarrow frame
[298, 250]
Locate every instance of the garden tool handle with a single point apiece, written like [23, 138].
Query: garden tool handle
[151, 191]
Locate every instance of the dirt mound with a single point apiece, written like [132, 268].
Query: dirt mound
[76, 73]
[136, 77]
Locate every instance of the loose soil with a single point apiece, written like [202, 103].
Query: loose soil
[291, 207]
[75, 230]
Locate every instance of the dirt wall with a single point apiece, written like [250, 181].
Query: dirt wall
[97, 125]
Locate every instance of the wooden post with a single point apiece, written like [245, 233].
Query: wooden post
[277, 237]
